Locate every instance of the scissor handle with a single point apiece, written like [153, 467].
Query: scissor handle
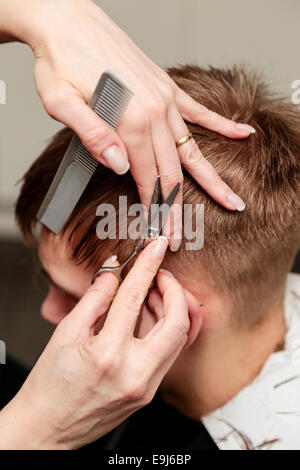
[118, 269]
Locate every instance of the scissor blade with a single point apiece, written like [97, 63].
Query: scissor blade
[154, 202]
[160, 214]
[172, 196]
[156, 192]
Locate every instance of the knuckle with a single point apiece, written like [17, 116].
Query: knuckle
[134, 297]
[142, 126]
[134, 391]
[138, 122]
[92, 137]
[87, 353]
[191, 153]
[221, 119]
[202, 110]
[108, 362]
[216, 120]
[182, 327]
[148, 396]
[108, 359]
[149, 269]
[183, 341]
[54, 100]
[50, 102]
[167, 92]
[217, 181]
[172, 178]
[158, 108]
[147, 186]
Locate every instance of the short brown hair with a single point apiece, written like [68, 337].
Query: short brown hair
[247, 254]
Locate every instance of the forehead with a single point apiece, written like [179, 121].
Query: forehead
[55, 257]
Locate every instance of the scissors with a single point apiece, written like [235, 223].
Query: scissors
[156, 220]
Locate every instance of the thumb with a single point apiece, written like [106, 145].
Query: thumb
[66, 104]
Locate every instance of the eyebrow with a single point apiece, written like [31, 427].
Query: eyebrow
[45, 273]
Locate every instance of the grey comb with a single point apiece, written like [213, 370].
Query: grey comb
[109, 101]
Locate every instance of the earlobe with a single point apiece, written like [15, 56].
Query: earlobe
[55, 306]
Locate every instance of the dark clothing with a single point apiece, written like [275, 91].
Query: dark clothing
[156, 427]
[12, 377]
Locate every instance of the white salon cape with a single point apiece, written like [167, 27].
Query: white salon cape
[265, 415]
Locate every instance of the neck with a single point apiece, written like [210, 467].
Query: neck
[220, 363]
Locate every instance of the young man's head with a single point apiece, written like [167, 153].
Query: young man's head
[242, 267]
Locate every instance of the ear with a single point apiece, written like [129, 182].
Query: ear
[195, 313]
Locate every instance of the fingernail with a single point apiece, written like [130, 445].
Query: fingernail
[110, 260]
[159, 247]
[246, 127]
[116, 160]
[166, 272]
[236, 201]
[175, 241]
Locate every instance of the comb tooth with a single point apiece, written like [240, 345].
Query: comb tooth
[111, 95]
[112, 101]
[109, 103]
[108, 113]
[114, 90]
[110, 108]
[112, 112]
[85, 159]
[115, 86]
[111, 86]
[115, 95]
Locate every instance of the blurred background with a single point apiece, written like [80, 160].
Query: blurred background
[262, 33]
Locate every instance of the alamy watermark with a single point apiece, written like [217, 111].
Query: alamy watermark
[2, 92]
[2, 352]
[296, 93]
[131, 222]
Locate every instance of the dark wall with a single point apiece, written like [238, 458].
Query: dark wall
[22, 290]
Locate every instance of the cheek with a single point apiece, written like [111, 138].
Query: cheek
[56, 306]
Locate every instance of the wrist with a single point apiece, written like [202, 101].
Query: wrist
[35, 21]
[14, 20]
[13, 432]
[21, 430]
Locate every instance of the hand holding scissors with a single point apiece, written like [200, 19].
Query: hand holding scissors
[100, 379]
[156, 221]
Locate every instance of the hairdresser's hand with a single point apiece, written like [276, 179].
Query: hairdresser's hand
[84, 384]
[74, 42]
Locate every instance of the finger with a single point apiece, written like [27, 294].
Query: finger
[155, 303]
[170, 334]
[96, 300]
[138, 141]
[161, 370]
[125, 309]
[65, 104]
[169, 168]
[196, 113]
[200, 169]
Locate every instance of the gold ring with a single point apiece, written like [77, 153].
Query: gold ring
[184, 139]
